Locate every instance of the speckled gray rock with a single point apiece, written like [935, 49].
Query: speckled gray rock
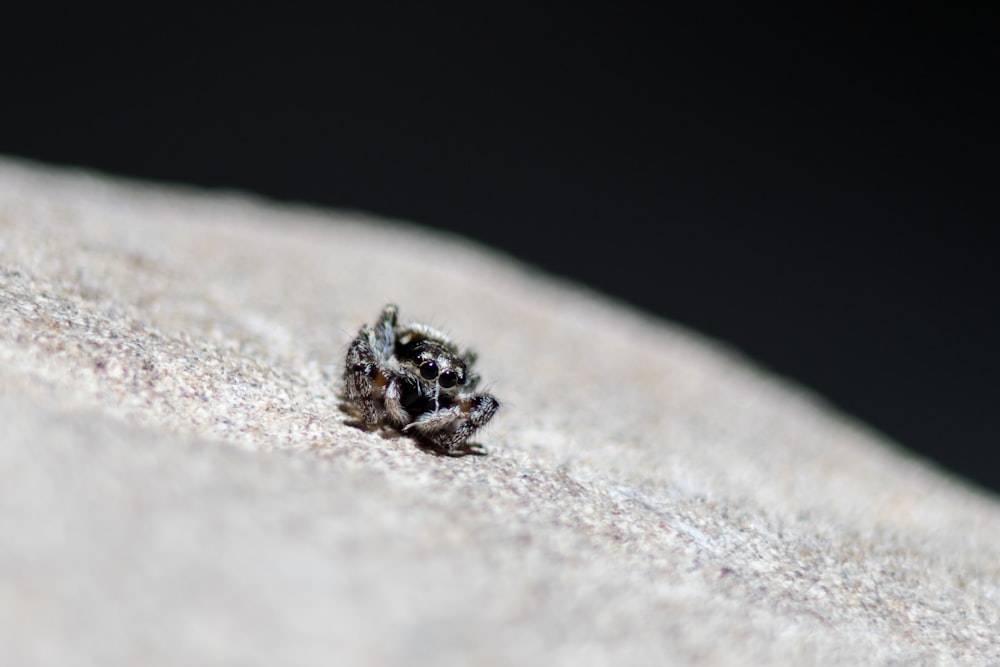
[178, 484]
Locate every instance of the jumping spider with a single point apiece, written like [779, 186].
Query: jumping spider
[414, 378]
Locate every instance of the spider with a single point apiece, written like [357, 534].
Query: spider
[415, 379]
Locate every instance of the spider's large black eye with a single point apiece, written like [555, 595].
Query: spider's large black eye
[428, 370]
[448, 379]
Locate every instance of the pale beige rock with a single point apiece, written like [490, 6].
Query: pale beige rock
[178, 485]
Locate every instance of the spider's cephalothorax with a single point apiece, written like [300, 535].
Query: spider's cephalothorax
[412, 377]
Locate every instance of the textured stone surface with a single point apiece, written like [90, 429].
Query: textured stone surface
[179, 486]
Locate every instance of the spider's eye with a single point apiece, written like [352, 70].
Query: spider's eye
[448, 379]
[428, 370]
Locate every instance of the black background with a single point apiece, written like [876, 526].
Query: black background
[817, 188]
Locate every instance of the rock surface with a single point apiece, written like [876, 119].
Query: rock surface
[178, 483]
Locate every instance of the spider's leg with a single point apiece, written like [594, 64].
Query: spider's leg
[364, 382]
[384, 333]
[471, 377]
[450, 428]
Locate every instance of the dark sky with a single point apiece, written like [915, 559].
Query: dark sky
[816, 188]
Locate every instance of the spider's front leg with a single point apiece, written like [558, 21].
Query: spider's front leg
[364, 382]
[451, 427]
[366, 371]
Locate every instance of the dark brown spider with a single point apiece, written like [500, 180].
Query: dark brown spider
[415, 379]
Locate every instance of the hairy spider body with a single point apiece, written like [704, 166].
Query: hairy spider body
[415, 379]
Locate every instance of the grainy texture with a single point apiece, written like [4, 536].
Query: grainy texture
[179, 486]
